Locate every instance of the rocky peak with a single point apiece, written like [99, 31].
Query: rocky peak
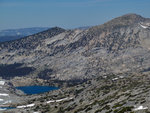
[122, 21]
[126, 20]
[131, 17]
[55, 29]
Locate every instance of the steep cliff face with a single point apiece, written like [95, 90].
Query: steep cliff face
[120, 45]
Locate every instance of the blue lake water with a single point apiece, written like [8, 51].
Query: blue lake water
[4, 108]
[36, 89]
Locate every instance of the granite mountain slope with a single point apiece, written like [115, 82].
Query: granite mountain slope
[118, 46]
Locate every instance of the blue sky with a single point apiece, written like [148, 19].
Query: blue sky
[66, 13]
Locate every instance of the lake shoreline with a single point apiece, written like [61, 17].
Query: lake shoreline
[29, 90]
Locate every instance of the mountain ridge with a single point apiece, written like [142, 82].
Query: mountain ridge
[12, 34]
[83, 54]
[50, 31]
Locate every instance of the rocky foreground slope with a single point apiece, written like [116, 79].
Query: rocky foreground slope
[107, 94]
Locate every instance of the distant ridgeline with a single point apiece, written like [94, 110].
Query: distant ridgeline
[13, 34]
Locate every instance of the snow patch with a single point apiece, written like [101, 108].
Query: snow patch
[59, 100]
[145, 27]
[4, 94]
[2, 82]
[104, 76]
[50, 101]
[30, 105]
[121, 76]
[6, 102]
[1, 99]
[140, 108]
[115, 79]
[25, 106]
